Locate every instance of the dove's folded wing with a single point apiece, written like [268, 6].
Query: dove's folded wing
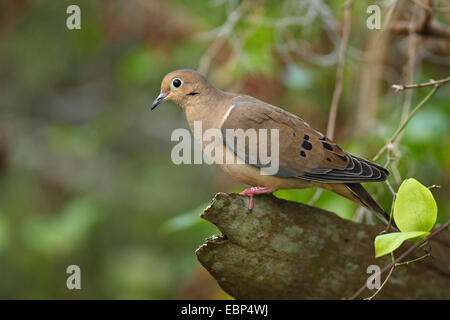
[303, 152]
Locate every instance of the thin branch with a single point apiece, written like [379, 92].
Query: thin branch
[403, 255]
[338, 87]
[411, 61]
[420, 4]
[413, 260]
[315, 197]
[340, 69]
[382, 285]
[424, 21]
[222, 33]
[434, 30]
[392, 269]
[402, 127]
[424, 27]
[391, 214]
[399, 87]
[408, 69]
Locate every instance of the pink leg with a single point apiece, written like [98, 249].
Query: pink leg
[255, 191]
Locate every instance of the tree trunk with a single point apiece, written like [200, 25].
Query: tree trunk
[288, 250]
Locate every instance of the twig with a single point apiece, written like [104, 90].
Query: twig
[411, 61]
[315, 197]
[382, 285]
[339, 75]
[424, 6]
[424, 21]
[359, 214]
[434, 30]
[220, 40]
[402, 127]
[391, 214]
[403, 255]
[392, 269]
[424, 27]
[413, 260]
[340, 69]
[408, 69]
[437, 83]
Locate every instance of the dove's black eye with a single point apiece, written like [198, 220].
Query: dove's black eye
[176, 82]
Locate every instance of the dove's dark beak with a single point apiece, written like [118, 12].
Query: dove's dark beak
[160, 99]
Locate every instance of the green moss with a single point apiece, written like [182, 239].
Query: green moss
[218, 204]
[282, 243]
[315, 241]
[351, 268]
[266, 223]
[294, 231]
[361, 235]
[335, 237]
[217, 266]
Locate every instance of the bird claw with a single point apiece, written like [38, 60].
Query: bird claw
[251, 192]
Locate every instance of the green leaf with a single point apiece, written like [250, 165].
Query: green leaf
[386, 243]
[65, 232]
[5, 234]
[414, 207]
[184, 221]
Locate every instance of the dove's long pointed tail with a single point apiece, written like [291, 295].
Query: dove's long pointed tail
[366, 200]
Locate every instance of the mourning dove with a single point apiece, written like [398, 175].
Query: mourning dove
[307, 158]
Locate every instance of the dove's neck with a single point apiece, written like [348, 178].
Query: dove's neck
[209, 107]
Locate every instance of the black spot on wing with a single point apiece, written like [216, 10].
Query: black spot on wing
[306, 137]
[302, 153]
[343, 158]
[327, 146]
[306, 145]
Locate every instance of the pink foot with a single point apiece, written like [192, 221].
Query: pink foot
[255, 191]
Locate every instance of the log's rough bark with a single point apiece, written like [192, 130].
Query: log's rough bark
[288, 250]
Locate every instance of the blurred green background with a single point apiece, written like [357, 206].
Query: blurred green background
[85, 170]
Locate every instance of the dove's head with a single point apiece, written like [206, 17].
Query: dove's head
[182, 87]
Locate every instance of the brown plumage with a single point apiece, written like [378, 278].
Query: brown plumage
[306, 157]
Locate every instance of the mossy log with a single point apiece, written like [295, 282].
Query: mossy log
[288, 250]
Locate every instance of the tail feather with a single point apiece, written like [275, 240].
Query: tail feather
[366, 200]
